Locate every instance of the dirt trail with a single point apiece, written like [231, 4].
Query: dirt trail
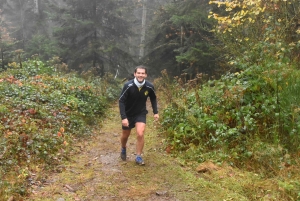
[96, 172]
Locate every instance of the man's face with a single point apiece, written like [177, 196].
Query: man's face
[140, 74]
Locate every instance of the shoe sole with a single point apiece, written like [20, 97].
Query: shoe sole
[123, 157]
[140, 164]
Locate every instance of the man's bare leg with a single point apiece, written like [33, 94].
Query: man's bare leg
[124, 137]
[140, 129]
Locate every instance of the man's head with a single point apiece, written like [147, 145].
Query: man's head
[140, 72]
[141, 67]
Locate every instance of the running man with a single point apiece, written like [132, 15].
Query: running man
[132, 104]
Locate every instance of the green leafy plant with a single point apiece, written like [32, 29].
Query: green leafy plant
[41, 113]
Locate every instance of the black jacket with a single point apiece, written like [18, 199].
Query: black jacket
[132, 101]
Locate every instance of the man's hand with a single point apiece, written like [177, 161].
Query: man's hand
[125, 122]
[156, 117]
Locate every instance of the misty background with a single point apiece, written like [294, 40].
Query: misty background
[110, 36]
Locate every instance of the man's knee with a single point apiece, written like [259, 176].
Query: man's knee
[125, 133]
[140, 134]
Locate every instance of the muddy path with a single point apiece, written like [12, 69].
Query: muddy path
[96, 171]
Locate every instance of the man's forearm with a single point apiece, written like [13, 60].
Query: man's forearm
[122, 110]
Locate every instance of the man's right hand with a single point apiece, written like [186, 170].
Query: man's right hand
[125, 122]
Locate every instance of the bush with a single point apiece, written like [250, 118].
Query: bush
[41, 112]
[227, 116]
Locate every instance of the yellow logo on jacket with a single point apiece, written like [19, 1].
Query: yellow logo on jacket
[146, 93]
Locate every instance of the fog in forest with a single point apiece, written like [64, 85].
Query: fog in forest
[109, 36]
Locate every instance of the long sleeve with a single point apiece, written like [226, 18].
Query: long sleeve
[153, 100]
[122, 101]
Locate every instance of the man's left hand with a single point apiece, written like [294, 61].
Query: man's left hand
[156, 117]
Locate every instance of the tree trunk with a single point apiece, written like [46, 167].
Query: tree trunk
[22, 16]
[94, 47]
[181, 44]
[2, 57]
[143, 33]
[36, 8]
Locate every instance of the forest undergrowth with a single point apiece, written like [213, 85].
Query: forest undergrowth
[96, 172]
[236, 137]
[214, 141]
[247, 119]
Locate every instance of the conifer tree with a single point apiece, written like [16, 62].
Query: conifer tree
[180, 39]
[21, 15]
[94, 34]
[5, 40]
[30, 21]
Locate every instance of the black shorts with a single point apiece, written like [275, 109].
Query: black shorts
[133, 120]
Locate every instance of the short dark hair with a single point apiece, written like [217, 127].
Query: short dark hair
[141, 67]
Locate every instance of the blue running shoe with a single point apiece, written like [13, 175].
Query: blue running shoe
[139, 160]
[123, 154]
